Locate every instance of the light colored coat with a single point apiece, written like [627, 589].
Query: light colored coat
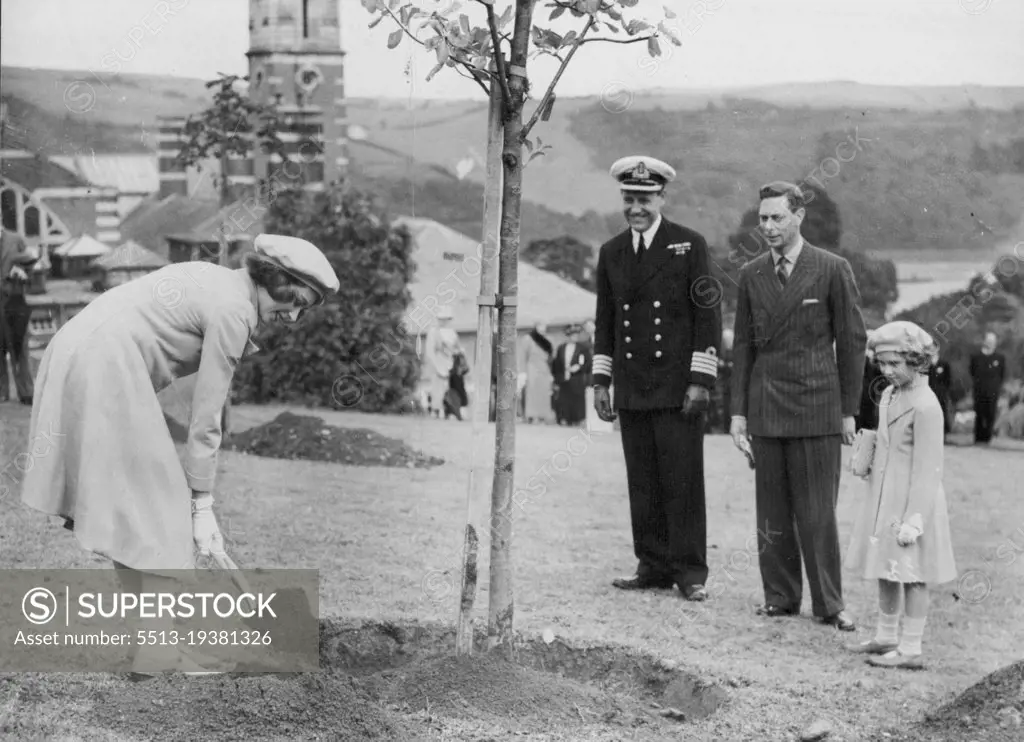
[439, 351]
[102, 454]
[905, 485]
[534, 361]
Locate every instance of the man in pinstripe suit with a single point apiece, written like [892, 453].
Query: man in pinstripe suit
[798, 369]
[658, 327]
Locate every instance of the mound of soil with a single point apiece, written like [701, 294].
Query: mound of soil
[389, 682]
[490, 689]
[290, 436]
[326, 706]
[991, 710]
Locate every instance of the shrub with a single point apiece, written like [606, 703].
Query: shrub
[352, 351]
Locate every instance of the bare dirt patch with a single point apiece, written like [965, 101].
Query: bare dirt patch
[309, 438]
[384, 681]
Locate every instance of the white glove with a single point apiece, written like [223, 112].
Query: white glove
[908, 534]
[18, 273]
[205, 531]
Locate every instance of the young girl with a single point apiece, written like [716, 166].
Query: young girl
[901, 536]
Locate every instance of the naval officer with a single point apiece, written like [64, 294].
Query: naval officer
[657, 334]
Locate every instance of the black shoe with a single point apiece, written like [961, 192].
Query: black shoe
[636, 582]
[775, 611]
[26, 401]
[841, 621]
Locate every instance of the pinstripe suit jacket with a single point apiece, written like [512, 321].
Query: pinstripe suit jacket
[799, 350]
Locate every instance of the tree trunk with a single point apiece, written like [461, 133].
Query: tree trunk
[501, 607]
[481, 375]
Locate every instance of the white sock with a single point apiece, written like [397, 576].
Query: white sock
[913, 630]
[888, 627]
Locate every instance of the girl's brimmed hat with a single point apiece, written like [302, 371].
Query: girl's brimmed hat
[903, 337]
[300, 259]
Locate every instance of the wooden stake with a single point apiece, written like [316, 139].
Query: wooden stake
[481, 373]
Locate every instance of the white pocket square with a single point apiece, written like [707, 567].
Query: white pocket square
[810, 301]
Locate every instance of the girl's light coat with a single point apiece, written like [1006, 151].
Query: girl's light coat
[110, 464]
[905, 485]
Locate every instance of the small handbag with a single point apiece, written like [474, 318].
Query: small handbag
[863, 452]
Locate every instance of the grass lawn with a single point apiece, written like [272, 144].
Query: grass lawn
[387, 544]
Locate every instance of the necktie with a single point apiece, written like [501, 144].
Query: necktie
[640, 249]
[781, 271]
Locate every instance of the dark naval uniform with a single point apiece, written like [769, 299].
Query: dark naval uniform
[658, 328]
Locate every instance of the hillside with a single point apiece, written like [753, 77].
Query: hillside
[930, 176]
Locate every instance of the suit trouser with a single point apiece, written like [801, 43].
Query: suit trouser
[15, 317]
[985, 409]
[664, 452]
[797, 489]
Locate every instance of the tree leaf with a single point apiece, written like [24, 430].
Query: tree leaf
[669, 13]
[591, 6]
[538, 153]
[628, 3]
[370, 5]
[556, 12]
[443, 52]
[506, 16]
[434, 71]
[670, 33]
[464, 23]
[653, 48]
[528, 144]
[568, 38]
[395, 38]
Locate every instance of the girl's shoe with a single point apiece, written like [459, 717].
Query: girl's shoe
[897, 659]
[871, 647]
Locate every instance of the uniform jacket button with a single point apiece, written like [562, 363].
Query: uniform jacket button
[626, 323]
[657, 337]
[629, 355]
[629, 339]
[657, 320]
[657, 304]
[625, 307]
[657, 354]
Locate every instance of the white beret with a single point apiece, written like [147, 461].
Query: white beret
[903, 337]
[301, 259]
[642, 173]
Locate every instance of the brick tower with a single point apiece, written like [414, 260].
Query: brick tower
[296, 66]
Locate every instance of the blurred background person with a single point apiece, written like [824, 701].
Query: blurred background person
[455, 397]
[16, 260]
[718, 412]
[441, 345]
[870, 391]
[988, 372]
[940, 379]
[571, 369]
[535, 375]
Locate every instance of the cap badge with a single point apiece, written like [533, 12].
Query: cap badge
[640, 172]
